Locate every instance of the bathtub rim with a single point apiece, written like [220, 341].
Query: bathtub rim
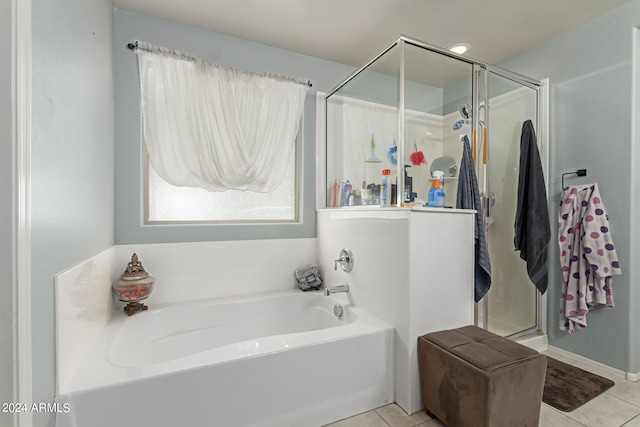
[96, 371]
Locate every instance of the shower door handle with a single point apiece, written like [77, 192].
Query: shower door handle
[488, 201]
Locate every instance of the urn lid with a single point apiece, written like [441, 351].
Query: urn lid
[134, 270]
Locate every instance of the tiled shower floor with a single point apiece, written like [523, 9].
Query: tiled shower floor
[618, 406]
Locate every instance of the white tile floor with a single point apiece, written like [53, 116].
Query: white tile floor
[618, 406]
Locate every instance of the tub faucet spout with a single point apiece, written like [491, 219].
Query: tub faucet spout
[338, 288]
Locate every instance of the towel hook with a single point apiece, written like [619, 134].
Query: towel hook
[579, 172]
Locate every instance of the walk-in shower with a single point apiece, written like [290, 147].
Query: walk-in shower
[416, 98]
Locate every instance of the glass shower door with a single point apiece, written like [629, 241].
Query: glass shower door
[511, 305]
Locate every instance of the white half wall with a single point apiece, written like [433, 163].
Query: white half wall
[412, 269]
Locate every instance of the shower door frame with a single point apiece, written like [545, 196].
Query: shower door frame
[542, 131]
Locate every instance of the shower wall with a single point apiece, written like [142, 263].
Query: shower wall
[431, 133]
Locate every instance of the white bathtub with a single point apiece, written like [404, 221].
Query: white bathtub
[277, 359]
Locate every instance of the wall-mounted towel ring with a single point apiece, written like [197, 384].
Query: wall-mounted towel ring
[579, 172]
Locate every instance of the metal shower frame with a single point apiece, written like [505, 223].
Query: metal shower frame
[478, 68]
[480, 75]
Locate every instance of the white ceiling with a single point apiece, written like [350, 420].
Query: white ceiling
[353, 31]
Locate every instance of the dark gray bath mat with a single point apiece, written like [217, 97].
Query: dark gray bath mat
[567, 387]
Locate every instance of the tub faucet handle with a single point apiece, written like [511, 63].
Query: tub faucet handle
[345, 260]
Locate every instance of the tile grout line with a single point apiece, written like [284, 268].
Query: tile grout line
[381, 417]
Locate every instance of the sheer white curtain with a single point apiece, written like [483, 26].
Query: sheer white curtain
[215, 127]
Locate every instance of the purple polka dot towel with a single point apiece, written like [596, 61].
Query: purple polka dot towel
[587, 255]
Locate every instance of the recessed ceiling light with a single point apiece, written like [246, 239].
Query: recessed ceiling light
[459, 48]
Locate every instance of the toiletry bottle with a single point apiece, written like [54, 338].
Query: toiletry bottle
[346, 191]
[351, 199]
[357, 201]
[385, 188]
[333, 194]
[366, 194]
[375, 193]
[436, 193]
[408, 186]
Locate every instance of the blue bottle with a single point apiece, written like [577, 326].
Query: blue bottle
[436, 193]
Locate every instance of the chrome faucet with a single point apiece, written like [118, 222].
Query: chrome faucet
[337, 288]
[345, 260]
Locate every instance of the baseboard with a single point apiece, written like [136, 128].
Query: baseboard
[613, 371]
[631, 376]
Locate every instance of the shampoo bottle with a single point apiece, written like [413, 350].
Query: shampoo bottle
[385, 188]
[436, 193]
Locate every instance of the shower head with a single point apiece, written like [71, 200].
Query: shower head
[465, 111]
[458, 125]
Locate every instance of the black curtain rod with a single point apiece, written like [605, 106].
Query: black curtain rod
[134, 46]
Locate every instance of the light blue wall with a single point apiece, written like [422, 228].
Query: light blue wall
[590, 72]
[7, 256]
[72, 159]
[223, 50]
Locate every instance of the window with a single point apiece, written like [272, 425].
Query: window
[221, 144]
[166, 203]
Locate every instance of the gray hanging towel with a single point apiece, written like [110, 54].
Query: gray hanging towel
[532, 228]
[469, 198]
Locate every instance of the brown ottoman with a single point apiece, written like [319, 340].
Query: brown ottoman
[472, 377]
